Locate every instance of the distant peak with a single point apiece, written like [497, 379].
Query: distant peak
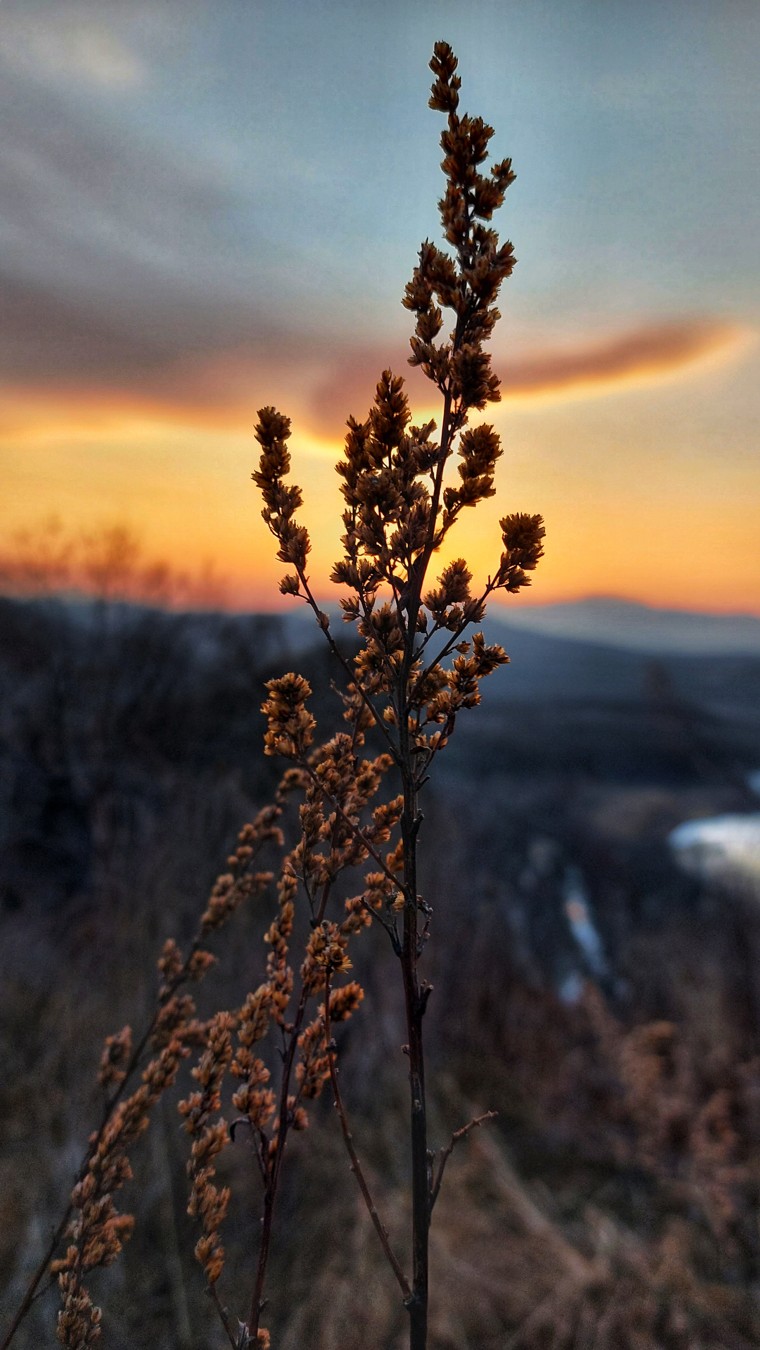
[617, 621]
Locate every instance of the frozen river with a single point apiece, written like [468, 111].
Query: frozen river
[722, 849]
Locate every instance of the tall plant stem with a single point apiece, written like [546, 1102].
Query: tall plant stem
[414, 1000]
[275, 1164]
[415, 997]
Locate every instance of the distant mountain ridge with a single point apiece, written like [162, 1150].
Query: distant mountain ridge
[602, 621]
[600, 664]
[625, 623]
[543, 665]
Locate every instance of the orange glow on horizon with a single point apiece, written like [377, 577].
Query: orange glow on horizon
[641, 522]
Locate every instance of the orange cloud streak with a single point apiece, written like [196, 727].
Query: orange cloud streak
[641, 356]
[644, 355]
[224, 391]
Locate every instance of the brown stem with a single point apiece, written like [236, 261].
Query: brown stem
[224, 1319]
[257, 1300]
[356, 1167]
[414, 1000]
[414, 1003]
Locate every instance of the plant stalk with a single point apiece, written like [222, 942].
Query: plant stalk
[417, 1305]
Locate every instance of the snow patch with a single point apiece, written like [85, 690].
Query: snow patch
[724, 849]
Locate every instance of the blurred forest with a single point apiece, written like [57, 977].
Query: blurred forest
[602, 998]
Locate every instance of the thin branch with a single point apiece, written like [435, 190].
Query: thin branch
[32, 1292]
[46, 1288]
[31, 1289]
[356, 1167]
[233, 1340]
[445, 1153]
[389, 927]
[255, 1142]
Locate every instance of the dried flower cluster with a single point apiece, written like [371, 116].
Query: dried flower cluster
[399, 510]
[96, 1231]
[207, 1201]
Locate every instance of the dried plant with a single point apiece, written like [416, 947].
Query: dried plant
[356, 795]
[406, 680]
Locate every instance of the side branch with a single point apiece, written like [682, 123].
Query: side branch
[224, 1319]
[450, 644]
[181, 977]
[445, 1153]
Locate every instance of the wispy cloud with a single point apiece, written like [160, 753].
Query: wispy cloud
[128, 269]
[68, 44]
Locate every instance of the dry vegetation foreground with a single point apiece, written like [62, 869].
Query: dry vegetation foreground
[614, 1201]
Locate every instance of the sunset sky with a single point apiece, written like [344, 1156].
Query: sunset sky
[207, 207]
